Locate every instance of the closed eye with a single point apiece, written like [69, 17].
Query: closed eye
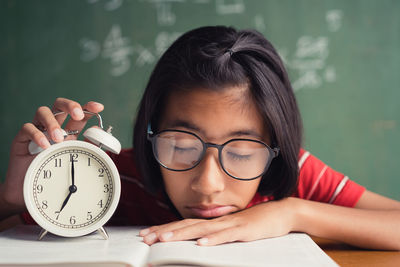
[185, 149]
[239, 157]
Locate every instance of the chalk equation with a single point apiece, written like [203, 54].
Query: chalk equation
[115, 47]
[309, 62]
[119, 50]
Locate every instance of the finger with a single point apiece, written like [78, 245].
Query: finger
[29, 132]
[194, 230]
[167, 226]
[65, 106]
[44, 116]
[68, 106]
[227, 235]
[78, 125]
[152, 234]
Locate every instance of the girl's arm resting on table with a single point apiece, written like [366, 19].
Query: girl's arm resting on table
[373, 223]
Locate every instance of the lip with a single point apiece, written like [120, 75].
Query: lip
[211, 210]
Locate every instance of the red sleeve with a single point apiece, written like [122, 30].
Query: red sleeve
[27, 218]
[318, 182]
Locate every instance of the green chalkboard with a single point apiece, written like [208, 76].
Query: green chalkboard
[343, 58]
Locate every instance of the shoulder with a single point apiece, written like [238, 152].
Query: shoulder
[319, 182]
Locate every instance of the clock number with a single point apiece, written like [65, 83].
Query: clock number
[57, 163]
[39, 188]
[88, 161]
[106, 188]
[44, 204]
[73, 157]
[100, 203]
[101, 171]
[58, 214]
[89, 216]
[46, 174]
[72, 220]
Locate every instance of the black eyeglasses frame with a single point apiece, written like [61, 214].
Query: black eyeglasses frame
[273, 151]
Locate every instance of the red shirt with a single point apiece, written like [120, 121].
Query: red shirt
[137, 206]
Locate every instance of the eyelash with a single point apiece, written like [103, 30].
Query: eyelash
[239, 157]
[181, 149]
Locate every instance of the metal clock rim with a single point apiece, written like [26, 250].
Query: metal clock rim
[87, 112]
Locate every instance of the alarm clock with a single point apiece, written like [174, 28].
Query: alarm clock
[73, 187]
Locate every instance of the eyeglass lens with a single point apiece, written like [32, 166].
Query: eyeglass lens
[244, 159]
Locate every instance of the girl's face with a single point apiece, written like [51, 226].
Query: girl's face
[206, 191]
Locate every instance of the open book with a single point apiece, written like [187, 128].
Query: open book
[19, 247]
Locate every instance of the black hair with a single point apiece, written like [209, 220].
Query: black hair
[214, 58]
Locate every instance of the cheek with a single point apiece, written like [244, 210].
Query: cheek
[243, 191]
[175, 185]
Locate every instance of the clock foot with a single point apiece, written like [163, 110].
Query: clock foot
[42, 234]
[103, 232]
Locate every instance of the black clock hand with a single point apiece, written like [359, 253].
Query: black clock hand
[66, 200]
[73, 173]
[72, 188]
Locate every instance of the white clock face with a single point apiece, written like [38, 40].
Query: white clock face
[72, 188]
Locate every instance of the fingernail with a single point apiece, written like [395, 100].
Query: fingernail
[57, 135]
[97, 103]
[144, 232]
[150, 238]
[202, 241]
[78, 113]
[44, 143]
[166, 236]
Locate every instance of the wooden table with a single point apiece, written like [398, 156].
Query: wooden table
[346, 255]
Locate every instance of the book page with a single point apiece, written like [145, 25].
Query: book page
[291, 250]
[19, 246]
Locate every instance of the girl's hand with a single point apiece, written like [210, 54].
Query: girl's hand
[11, 192]
[270, 219]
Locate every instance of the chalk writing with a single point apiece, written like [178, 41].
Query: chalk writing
[334, 19]
[110, 5]
[165, 16]
[90, 49]
[259, 23]
[148, 55]
[117, 48]
[164, 40]
[330, 74]
[224, 7]
[145, 56]
[311, 56]
[310, 62]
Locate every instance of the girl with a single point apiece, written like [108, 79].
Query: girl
[217, 154]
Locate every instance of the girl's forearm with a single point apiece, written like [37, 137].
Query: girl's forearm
[373, 229]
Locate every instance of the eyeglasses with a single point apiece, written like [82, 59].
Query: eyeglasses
[242, 159]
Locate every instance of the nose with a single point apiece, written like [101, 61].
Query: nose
[210, 177]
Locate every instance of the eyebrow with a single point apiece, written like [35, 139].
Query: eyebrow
[192, 127]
